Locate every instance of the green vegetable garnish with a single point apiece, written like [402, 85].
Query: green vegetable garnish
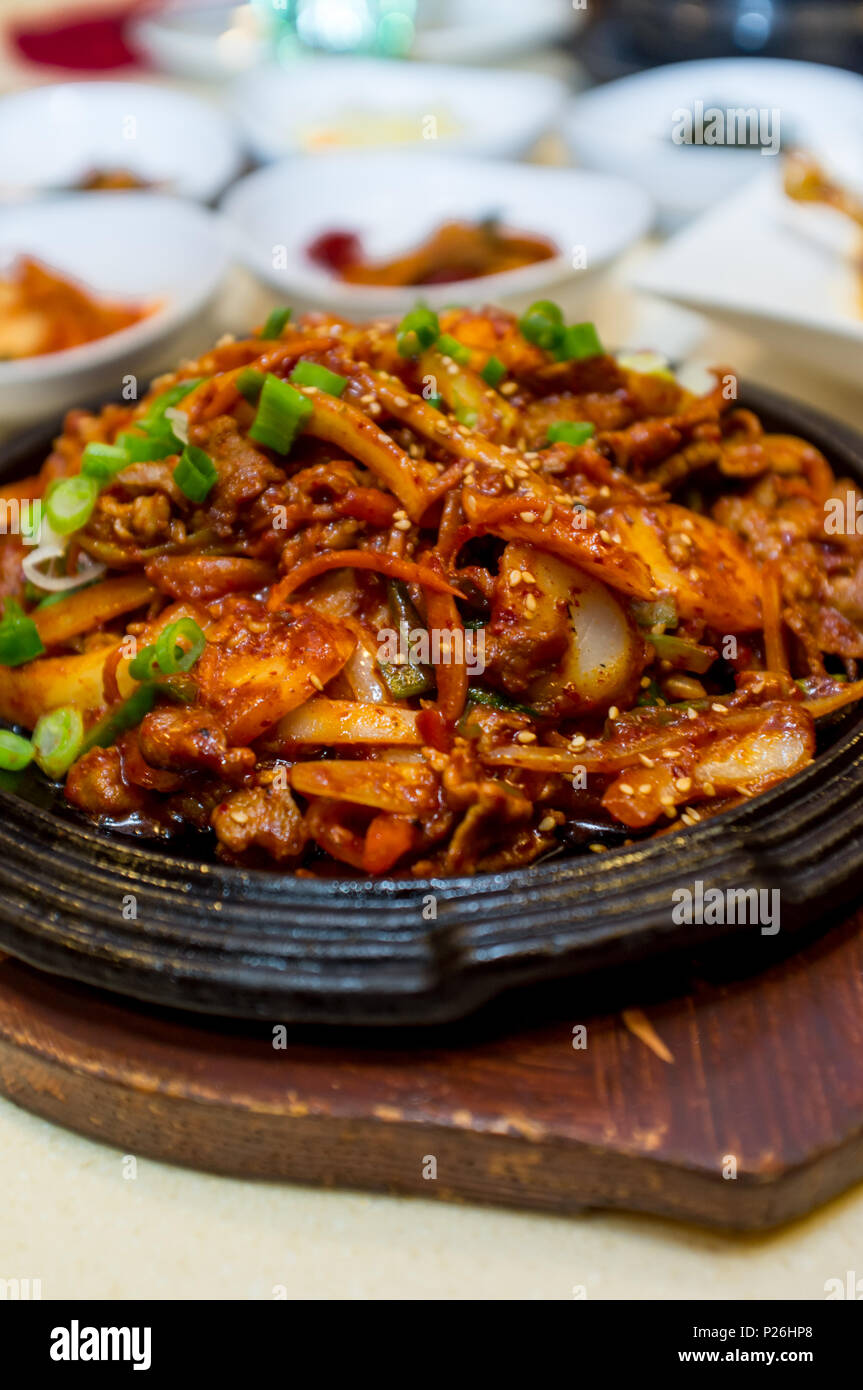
[312, 374]
[451, 347]
[419, 329]
[154, 421]
[57, 740]
[573, 432]
[493, 372]
[176, 649]
[102, 462]
[282, 412]
[19, 636]
[477, 696]
[542, 325]
[195, 474]
[275, 323]
[140, 448]
[579, 340]
[250, 384]
[70, 502]
[15, 752]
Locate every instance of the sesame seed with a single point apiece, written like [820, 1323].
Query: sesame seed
[670, 811]
[530, 603]
[515, 577]
[316, 682]
[605, 490]
[547, 514]
[645, 761]
[666, 799]
[596, 849]
[719, 709]
[528, 516]
[709, 789]
[645, 682]
[627, 789]
[442, 427]
[604, 536]
[402, 525]
[527, 577]
[547, 823]
[508, 388]
[577, 741]
[645, 789]
[526, 736]
[614, 712]
[240, 817]
[683, 784]
[399, 402]
[690, 714]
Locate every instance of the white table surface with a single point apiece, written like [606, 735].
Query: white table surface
[69, 1217]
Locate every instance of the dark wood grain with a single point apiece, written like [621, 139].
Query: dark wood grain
[768, 1070]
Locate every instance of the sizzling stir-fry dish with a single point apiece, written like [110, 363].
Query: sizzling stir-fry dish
[454, 251]
[43, 311]
[435, 597]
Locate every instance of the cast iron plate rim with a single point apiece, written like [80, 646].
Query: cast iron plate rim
[389, 965]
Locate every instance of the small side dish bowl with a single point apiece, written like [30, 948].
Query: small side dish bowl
[138, 248]
[330, 104]
[53, 137]
[395, 201]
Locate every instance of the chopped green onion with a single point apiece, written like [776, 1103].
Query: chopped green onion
[195, 473]
[687, 656]
[70, 503]
[154, 421]
[19, 636]
[542, 325]
[493, 372]
[419, 329]
[102, 461]
[142, 448]
[275, 323]
[573, 432]
[15, 752]
[451, 347]
[124, 717]
[175, 650]
[465, 415]
[249, 384]
[436, 401]
[579, 340]
[655, 612]
[312, 374]
[282, 411]
[477, 696]
[57, 740]
[171, 655]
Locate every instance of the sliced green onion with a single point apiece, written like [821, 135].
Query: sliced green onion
[154, 421]
[655, 612]
[419, 329]
[688, 656]
[312, 374]
[19, 636]
[542, 325]
[451, 347]
[495, 700]
[70, 503]
[579, 340]
[15, 752]
[57, 740]
[275, 323]
[142, 448]
[282, 411]
[570, 432]
[102, 462]
[436, 401]
[493, 372]
[143, 666]
[171, 654]
[195, 474]
[124, 717]
[250, 383]
[465, 415]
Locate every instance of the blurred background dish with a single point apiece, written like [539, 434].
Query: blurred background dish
[55, 137]
[626, 127]
[325, 104]
[393, 202]
[136, 248]
[769, 267]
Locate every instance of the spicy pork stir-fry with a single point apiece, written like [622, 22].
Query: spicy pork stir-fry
[434, 597]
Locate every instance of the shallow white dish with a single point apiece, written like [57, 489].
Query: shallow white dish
[52, 136]
[770, 267]
[135, 247]
[477, 110]
[394, 201]
[626, 127]
[472, 31]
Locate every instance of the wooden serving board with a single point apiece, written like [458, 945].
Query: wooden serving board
[766, 1073]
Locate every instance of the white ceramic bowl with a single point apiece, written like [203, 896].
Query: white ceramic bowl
[767, 266]
[478, 110]
[52, 136]
[626, 127]
[394, 201]
[135, 247]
